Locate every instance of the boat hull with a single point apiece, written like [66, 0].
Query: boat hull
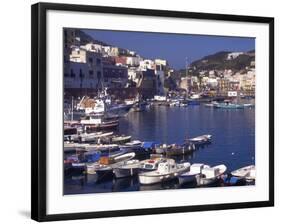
[147, 178]
[104, 173]
[125, 172]
[184, 179]
[206, 181]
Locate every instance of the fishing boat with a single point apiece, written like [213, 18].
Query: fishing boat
[210, 175]
[190, 176]
[247, 172]
[98, 122]
[127, 169]
[168, 169]
[103, 105]
[151, 164]
[107, 164]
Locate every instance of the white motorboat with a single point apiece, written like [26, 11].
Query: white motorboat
[190, 176]
[150, 164]
[210, 175]
[168, 169]
[247, 172]
[127, 169]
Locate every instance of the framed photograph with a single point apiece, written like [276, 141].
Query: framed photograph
[139, 111]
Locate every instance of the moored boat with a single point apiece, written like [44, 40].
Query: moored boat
[247, 172]
[228, 105]
[176, 150]
[202, 139]
[210, 175]
[127, 169]
[190, 176]
[107, 165]
[91, 137]
[168, 169]
[121, 139]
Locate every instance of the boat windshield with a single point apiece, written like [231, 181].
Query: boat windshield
[148, 166]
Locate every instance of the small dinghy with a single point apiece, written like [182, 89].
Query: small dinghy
[210, 175]
[190, 176]
[168, 169]
[247, 172]
[200, 140]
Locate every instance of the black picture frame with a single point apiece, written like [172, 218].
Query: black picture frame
[39, 114]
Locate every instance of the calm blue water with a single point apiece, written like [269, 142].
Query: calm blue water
[233, 142]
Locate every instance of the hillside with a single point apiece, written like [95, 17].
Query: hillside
[224, 60]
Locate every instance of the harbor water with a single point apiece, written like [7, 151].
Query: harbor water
[233, 142]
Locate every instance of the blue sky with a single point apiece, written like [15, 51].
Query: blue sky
[173, 47]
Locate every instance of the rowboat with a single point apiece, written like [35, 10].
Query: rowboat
[210, 175]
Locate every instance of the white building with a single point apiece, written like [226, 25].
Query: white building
[81, 75]
[132, 61]
[84, 69]
[146, 64]
[233, 55]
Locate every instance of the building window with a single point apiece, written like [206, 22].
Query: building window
[91, 60]
[91, 73]
[72, 74]
[99, 75]
[98, 61]
[81, 74]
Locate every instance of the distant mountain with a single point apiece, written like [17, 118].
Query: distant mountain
[224, 60]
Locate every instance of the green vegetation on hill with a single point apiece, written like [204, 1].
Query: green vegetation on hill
[219, 61]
